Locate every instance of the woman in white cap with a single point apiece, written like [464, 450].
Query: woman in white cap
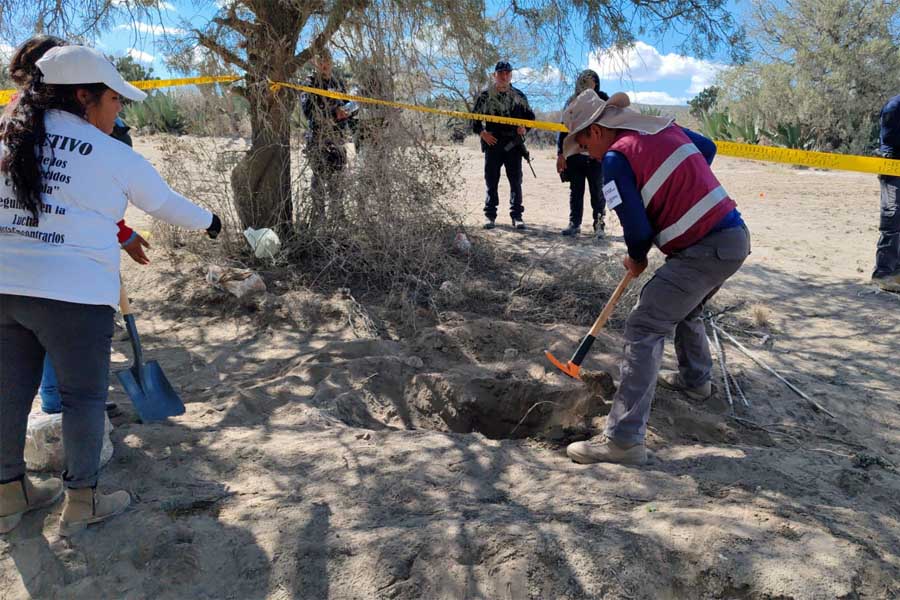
[65, 184]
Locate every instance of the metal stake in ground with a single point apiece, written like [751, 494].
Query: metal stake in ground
[573, 367]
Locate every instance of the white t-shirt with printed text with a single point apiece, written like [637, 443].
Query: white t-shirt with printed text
[71, 253]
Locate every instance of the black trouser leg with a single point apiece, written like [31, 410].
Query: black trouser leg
[887, 257]
[594, 175]
[512, 161]
[575, 169]
[493, 161]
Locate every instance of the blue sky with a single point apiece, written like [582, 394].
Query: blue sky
[652, 72]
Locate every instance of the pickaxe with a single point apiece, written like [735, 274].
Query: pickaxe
[573, 367]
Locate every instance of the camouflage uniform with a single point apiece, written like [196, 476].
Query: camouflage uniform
[505, 153]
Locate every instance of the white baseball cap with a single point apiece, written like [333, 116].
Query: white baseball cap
[67, 65]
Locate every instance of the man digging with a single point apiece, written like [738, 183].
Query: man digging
[657, 178]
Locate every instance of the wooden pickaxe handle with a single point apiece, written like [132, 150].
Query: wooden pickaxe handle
[588, 341]
[611, 304]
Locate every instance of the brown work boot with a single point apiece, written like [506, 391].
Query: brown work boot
[86, 506]
[604, 449]
[22, 496]
[671, 380]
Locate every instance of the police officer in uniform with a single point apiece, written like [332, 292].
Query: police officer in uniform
[327, 119]
[501, 143]
[887, 257]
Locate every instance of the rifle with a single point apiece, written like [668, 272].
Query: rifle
[519, 142]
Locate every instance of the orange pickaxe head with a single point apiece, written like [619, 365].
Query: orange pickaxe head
[570, 368]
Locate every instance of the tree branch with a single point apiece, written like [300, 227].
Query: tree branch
[226, 54]
[232, 21]
[338, 15]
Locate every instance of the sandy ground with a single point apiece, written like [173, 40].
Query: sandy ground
[318, 461]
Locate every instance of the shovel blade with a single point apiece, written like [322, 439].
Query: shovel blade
[153, 396]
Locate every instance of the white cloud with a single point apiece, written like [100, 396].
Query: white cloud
[547, 75]
[151, 29]
[141, 57]
[661, 98]
[642, 62]
[166, 6]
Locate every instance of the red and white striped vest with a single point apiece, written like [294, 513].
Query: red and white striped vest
[683, 199]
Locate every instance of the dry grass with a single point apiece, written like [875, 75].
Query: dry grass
[388, 238]
[761, 316]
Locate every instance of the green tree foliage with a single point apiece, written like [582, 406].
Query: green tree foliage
[830, 67]
[704, 101]
[131, 69]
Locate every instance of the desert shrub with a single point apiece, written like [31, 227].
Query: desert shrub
[389, 232]
[215, 114]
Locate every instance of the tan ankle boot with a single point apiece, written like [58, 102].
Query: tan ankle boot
[603, 449]
[22, 496]
[87, 506]
[671, 380]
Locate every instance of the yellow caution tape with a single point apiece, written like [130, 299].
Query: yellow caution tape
[425, 109]
[152, 84]
[807, 158]
[821, 160]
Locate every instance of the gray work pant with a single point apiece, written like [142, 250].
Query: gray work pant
[77, 337]
[672, 301]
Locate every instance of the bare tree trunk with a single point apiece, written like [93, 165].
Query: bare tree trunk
[261, 181]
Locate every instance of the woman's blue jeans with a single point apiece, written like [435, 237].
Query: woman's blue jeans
[51, 401]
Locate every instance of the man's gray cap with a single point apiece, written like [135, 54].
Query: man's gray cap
[614, 113]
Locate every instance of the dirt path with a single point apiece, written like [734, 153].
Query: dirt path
[296, 472]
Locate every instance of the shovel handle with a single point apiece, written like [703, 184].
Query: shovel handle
[611, 304]
[124, 305]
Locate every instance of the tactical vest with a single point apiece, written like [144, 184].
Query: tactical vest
[683, 199]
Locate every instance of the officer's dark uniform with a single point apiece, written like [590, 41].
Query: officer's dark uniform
[581, 168]
[324, 141]
[887, 258]
[506, 152]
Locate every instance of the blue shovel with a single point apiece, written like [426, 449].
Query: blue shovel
[145, 383]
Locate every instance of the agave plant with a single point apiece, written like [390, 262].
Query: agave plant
[790, 135]
[158, 112]
[747, 129]
[651, 111]
[716, 125]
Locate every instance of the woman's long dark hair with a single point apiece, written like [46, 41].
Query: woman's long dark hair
[23, 131]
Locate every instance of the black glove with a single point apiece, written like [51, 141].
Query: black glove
[213, 230]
